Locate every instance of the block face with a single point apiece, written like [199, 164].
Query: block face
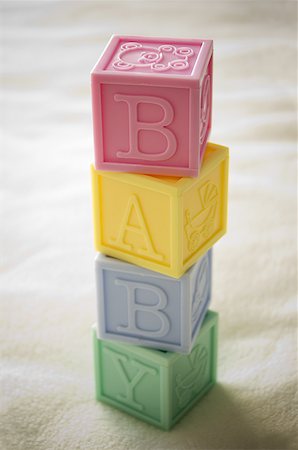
[131, 383]
[201, 215]
[192, 374]
[135, 221]
[205, 114]
[165, 224]
[141, 308]
[154, 56]
[200, 288]
[152, 105]
[126, 142]
[146, 308]
[155, 386]
[205, 212]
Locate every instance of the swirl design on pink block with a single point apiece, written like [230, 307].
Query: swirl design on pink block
[205, 105]
[133, 55]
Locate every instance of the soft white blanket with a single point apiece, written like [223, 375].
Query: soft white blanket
[47, 271]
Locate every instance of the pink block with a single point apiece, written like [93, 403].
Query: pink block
[152, 103]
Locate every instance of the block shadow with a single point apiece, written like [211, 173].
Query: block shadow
[220, 421]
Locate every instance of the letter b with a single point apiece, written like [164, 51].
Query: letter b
[133, 307]
[135, 126]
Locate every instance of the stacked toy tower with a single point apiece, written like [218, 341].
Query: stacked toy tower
[159, 205]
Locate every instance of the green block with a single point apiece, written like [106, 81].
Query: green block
[156, 386]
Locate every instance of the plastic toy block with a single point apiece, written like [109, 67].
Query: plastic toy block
[151, 101]
[146, 308]
[164, 224]
[156, 386]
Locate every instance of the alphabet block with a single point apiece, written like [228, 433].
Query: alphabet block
[164, 224]
[151, 102]
[146, 308]
[156, 386]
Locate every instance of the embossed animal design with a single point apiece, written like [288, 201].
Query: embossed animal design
[164, 57]
[201, 288]
[189, 384]
[201, 224]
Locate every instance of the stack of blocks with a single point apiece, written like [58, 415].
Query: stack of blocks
[159, 205]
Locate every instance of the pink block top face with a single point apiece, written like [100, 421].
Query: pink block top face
[156, 57]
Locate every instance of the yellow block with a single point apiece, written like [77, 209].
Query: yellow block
[161, 223]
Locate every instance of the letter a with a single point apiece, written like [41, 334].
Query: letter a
[140, 229]
[135, 126]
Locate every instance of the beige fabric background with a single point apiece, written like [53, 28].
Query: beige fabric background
[47, 274]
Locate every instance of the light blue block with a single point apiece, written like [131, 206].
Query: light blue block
[146, 308]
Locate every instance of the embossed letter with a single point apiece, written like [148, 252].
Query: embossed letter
[135, 126]
[130, 383]
[133, 307]
[141, 229]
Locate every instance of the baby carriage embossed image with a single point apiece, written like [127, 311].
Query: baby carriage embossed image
[202, 224]
[188, 385]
